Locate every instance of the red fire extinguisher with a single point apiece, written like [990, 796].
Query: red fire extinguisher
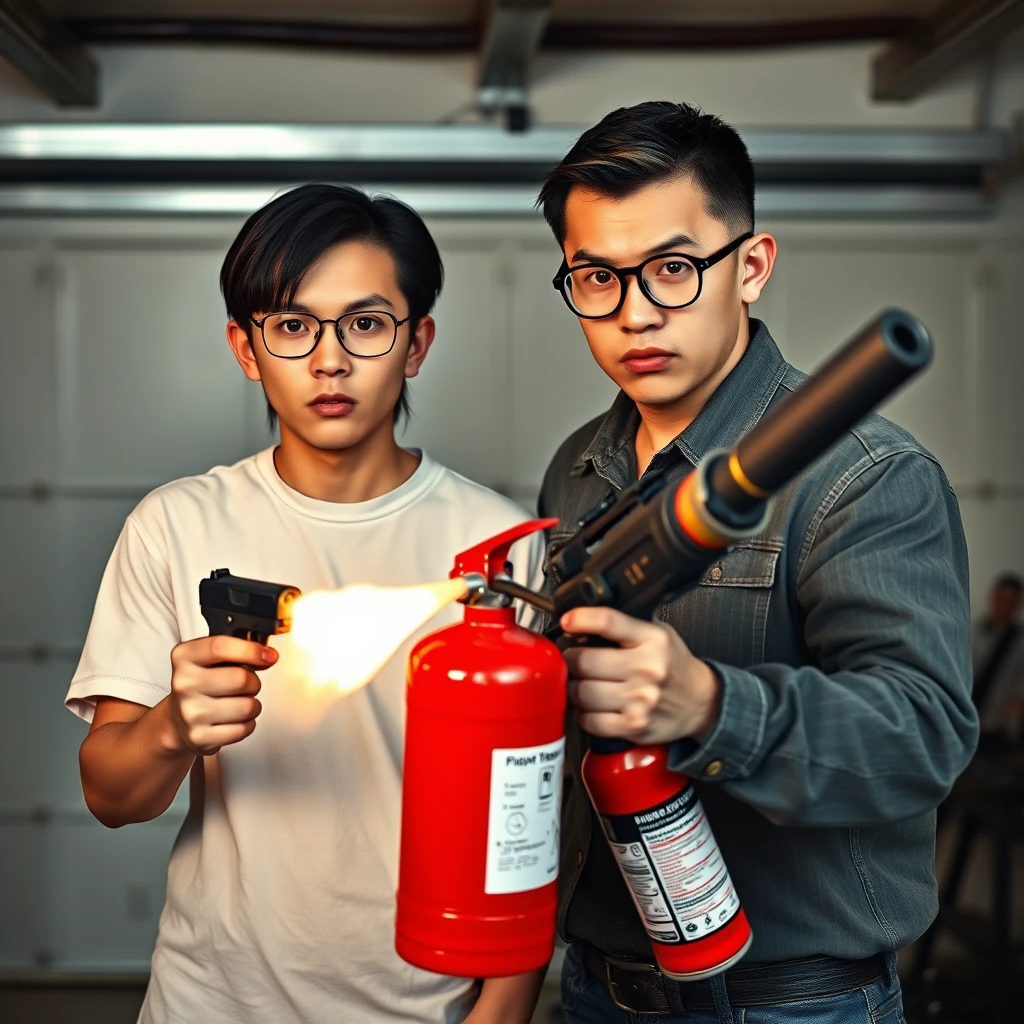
[659, 834]
[481, 793]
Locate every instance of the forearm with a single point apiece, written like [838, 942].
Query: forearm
[131, 770]
[853, 748]
[509, 1000]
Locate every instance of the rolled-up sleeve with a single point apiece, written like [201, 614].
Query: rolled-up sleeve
[878, 723]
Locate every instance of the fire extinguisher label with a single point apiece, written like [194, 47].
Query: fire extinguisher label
[522, 830]
[673, 866]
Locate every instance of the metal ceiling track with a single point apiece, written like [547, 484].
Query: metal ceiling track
[482, 167]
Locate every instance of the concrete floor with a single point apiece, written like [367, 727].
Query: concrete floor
[118, 1003]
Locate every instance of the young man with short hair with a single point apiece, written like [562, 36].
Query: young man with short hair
[280, 895]
[816, 686]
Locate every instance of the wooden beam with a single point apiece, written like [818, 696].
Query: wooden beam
[47, 53]
[957, 32]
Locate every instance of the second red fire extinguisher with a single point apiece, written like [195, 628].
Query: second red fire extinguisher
[481, 790]
[658, 833]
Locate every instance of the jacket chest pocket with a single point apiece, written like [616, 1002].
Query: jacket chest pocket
[726, 615]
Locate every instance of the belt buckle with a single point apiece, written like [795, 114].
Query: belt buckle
[612, 987]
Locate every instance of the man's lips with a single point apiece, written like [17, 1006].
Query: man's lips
[332, 404]
[646, 360]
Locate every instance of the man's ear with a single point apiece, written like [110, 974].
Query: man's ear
[419, 345]
[757, 257]
[241, 347]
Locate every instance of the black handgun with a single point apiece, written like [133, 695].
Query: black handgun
[250, 609]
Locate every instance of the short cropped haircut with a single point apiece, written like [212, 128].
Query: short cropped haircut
[283, 240]
[634, 147]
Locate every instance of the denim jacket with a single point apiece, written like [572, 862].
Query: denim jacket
[841, 636]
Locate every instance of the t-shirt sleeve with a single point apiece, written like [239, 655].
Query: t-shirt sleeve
[134, 626]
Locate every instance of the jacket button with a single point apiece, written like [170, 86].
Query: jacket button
[713, 767]
[716, 573]
[579, 858]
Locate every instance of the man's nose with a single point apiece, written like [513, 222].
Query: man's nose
[638, 313]
[329, 357]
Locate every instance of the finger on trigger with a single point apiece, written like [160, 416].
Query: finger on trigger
[233, 650]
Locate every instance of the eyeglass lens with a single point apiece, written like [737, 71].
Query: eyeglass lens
[595, 291]
[363, 334]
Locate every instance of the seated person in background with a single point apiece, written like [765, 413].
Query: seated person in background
[280, 892]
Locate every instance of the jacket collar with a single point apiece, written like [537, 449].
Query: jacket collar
[738, 403]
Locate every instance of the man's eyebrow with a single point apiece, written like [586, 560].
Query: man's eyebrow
[366, 302]
[586, 256]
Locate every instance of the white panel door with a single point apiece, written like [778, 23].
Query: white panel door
[28, 381]
[39, 748]
[149, 389]
[1001, 370]
[108, 889]
[32, 602]
[86, 531]
[24, 894]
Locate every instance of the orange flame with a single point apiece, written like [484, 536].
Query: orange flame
[346, 636]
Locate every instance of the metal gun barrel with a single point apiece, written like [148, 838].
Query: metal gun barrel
[882, 356]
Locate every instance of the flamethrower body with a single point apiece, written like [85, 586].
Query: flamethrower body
[250, 609]
[481, 786]
[646, 548]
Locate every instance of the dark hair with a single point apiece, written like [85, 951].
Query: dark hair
[633, 147]
[1011, 580]
[280, 242]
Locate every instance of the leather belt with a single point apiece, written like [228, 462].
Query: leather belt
[642, 988]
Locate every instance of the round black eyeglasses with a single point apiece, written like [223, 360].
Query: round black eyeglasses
[670, 280]
[367, 334]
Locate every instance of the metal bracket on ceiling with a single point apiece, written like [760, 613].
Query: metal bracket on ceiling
[510, 41]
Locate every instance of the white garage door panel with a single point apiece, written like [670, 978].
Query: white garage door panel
[1001, 413]
[31, 602]
[150, 389]
[39, 759]
[459, 398]
[836, 291]
[24, 894]
[556, 383]
[108, 887]
[87, 529]
[27, 383]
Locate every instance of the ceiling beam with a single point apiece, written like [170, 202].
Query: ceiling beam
[46, 53]
[957, 32]
[512, 37]
[465, 36]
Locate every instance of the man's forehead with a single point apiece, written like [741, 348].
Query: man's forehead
[628, 228]
[351, 266]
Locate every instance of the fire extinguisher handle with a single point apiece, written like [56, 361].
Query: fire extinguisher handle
[488, 558]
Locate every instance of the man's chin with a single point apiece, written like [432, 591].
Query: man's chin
[655, 390]
[332, 435]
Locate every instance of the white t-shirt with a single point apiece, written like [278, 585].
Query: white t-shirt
[280, 891]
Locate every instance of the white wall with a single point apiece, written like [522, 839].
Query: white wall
[116, 379]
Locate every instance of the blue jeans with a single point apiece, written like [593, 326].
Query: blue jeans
[586, 1000]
